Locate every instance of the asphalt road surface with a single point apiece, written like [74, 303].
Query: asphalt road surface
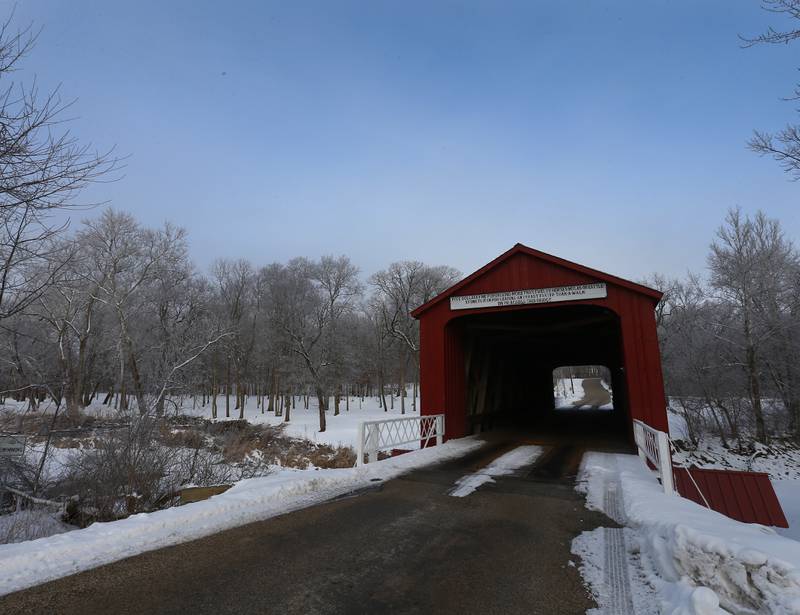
[594, 394]
[404, 547]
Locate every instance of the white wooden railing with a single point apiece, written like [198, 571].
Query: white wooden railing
[374, 436]
[654, 447]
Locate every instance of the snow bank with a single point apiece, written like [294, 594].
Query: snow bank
[678, 430]
[788, 492]
[29, 563]
[502, 466]
[699, 561]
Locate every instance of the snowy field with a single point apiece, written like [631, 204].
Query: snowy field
[341, 430]
[689, 559]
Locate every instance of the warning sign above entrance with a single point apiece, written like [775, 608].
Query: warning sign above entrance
[530, 296]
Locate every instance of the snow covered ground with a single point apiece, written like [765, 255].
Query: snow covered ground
[692, 559]
[29, 563]
[780, 460]
[789, 496]
[341, 430]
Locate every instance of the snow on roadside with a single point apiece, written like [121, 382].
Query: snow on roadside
[502, 466]
[698, 561]
[565, 397]
[780, 460]
[30, 563]
[593, 550]
[788, 492]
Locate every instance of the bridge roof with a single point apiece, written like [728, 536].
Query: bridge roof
[519, 248]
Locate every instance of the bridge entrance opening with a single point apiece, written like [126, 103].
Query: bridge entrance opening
[544, 370]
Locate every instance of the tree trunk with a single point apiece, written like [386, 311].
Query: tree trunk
[382, 393]
[753, 381]
[214, 390]
[240, 393]
[228, 387]
[403, 386]
[137, 385]
[272, 391]
[322, 401]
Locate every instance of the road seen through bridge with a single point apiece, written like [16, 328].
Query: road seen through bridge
[404, 547]
[595, 395]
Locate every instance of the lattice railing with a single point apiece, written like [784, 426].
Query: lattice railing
[654, 447]
[374, 436]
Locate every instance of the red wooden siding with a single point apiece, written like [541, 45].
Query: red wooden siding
[744, 496]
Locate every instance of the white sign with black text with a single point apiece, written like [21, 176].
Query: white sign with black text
[530, 296]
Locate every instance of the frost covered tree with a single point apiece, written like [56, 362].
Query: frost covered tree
[751, 265]
[307, 304]
[399, 289]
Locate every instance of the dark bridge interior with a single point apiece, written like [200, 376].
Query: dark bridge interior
[509, 361]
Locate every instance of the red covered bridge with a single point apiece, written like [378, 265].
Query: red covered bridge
[490, 343]
[490, 346]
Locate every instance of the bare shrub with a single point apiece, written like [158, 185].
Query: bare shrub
[30, 524]
[123, 474]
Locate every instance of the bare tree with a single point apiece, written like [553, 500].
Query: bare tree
[307, 303]
[784, 145]
[399, 289]
[43, 168]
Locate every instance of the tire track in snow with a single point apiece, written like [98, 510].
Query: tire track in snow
[616, 577]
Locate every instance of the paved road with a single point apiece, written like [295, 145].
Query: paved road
[594, 394]
[406, 547]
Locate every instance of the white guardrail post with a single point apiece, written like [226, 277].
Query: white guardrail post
[653, 447]
[360, 445]
[372, 443]
[665, 456]
[374, 436]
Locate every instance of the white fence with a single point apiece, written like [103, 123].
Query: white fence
[654, 447]
[374, 436]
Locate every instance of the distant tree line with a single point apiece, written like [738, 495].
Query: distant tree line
[125, 314]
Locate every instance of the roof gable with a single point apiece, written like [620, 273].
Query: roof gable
[543, 256]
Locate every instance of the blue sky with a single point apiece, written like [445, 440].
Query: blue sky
[610, 133]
